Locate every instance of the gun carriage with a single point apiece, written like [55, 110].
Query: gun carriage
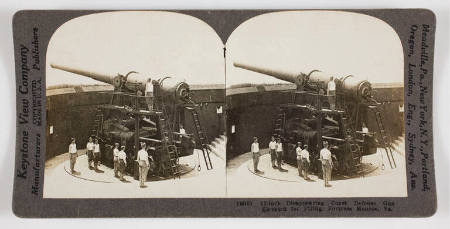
[147, 110]
[311, 117]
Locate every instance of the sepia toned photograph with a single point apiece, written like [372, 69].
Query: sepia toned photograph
[134, 107]
[295, 104]
[224, 113]
[315, 107]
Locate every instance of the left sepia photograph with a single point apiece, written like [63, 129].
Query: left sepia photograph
[134, 105]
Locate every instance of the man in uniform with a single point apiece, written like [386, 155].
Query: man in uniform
[279, 153]
[142, 159]
[96, 154]
[90, 152]
[272, 150]
[122, 161]
[182, 130]
[298, 151]
[73, 155]
[331, 92]
[116, 159]
[401, 111]
[255, 154]
[304, 155]
[327, 163]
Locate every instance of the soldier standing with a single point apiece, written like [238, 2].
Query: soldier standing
[122, 161]
[73, 155]
[279, 153]
[255, 154]
[90, 152]
[401, 111]
[96, 154]
[116, 159]
[182, 130]
[272, 150]
[142, 159]
[327, 164]
[331, 92]
[305, 161]
[298, 151]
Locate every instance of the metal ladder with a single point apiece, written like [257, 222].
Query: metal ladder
[173, 159]
[354, 147]
[98, 123]
[172, 151]
[202, 138]
[163, 125]
[383, 137]
[279, 123]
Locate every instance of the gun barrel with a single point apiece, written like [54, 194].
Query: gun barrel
[285, 76]
[93, 75]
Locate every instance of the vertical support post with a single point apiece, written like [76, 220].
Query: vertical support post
[319, 121]
[136, 125]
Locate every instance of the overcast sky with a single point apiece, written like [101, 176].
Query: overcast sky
[155, 44]
[339, 43]
[158, 44]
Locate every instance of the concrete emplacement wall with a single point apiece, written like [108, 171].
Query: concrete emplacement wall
[70, 112]
[251, 111]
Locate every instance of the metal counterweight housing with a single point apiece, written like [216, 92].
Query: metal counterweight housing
[132, 81]
[350, 86]
[174, 90]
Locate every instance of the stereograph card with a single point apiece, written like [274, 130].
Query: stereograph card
[232, 113]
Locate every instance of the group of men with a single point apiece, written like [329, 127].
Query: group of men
[276, 154]
[120, 162]
[303, 162]
[119, 159]
[303, 158]
[93, 152]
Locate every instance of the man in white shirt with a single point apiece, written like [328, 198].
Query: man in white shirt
[90, 152]
[116, 159]
[364, 129]
[182, 130]
[401, 111]
[304, 155]
[279, 153]
[122, 161]
[331, 92]
[327, 163]
[144, 164]
[272, 150]
[255, 154]
[298, 151]
[73, 155]
[96, 154]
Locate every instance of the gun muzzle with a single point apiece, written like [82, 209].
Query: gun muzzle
[109, 79]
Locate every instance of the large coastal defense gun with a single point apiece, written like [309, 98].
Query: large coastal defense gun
[147, 110]
[351, 87]
[312, 117]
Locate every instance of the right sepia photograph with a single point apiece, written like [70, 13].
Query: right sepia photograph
[314, 107]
